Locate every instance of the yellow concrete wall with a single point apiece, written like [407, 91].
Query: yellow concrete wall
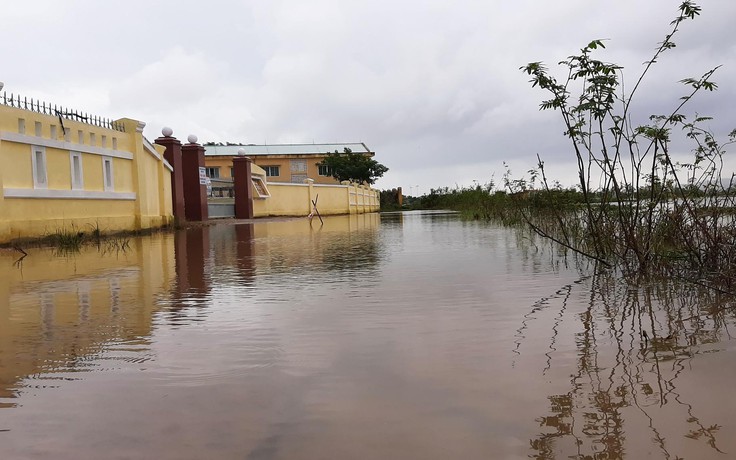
[285, 200]
[295, 200]
[331, 199]
[141, 194]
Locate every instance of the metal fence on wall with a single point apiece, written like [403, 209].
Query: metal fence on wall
[37, 106]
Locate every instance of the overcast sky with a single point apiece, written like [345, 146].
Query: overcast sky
[433, 87]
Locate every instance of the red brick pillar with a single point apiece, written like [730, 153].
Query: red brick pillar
[242, 187]
[193, 174]
[173, 156]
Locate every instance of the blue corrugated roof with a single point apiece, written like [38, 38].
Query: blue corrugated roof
[285, 149]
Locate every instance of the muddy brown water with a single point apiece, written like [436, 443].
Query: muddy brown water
[400, 336]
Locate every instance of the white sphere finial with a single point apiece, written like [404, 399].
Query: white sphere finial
[167, 132]
[241, 152]
[192, 139]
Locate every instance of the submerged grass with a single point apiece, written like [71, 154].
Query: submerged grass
[70, 240]
[66, 241]
[688, 237]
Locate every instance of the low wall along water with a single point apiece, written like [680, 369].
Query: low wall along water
[288, 199]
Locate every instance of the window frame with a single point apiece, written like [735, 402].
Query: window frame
[108, 174]
[271, 168]
[77, 182]
[325, 168]
[35, 157]
[212, 169]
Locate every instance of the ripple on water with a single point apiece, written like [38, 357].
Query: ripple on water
[422, 338]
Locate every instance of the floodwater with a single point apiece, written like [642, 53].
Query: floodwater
[400, 336]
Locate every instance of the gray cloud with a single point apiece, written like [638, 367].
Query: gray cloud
[433, 86]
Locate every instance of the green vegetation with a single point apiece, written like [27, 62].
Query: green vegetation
[390, 200]
[642, 210]
[221, 144]
[635, 206]
[486, 202]
[66, 241]
[479, 202]
[354, 167]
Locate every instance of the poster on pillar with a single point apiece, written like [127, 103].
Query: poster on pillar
[202, 176]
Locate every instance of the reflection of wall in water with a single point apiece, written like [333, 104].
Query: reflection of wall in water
[341, 242]
[55, 310]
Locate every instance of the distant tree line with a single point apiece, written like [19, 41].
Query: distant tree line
[220, 144]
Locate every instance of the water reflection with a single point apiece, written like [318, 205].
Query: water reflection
[636, 348]
[57, 312]
[400, 336]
